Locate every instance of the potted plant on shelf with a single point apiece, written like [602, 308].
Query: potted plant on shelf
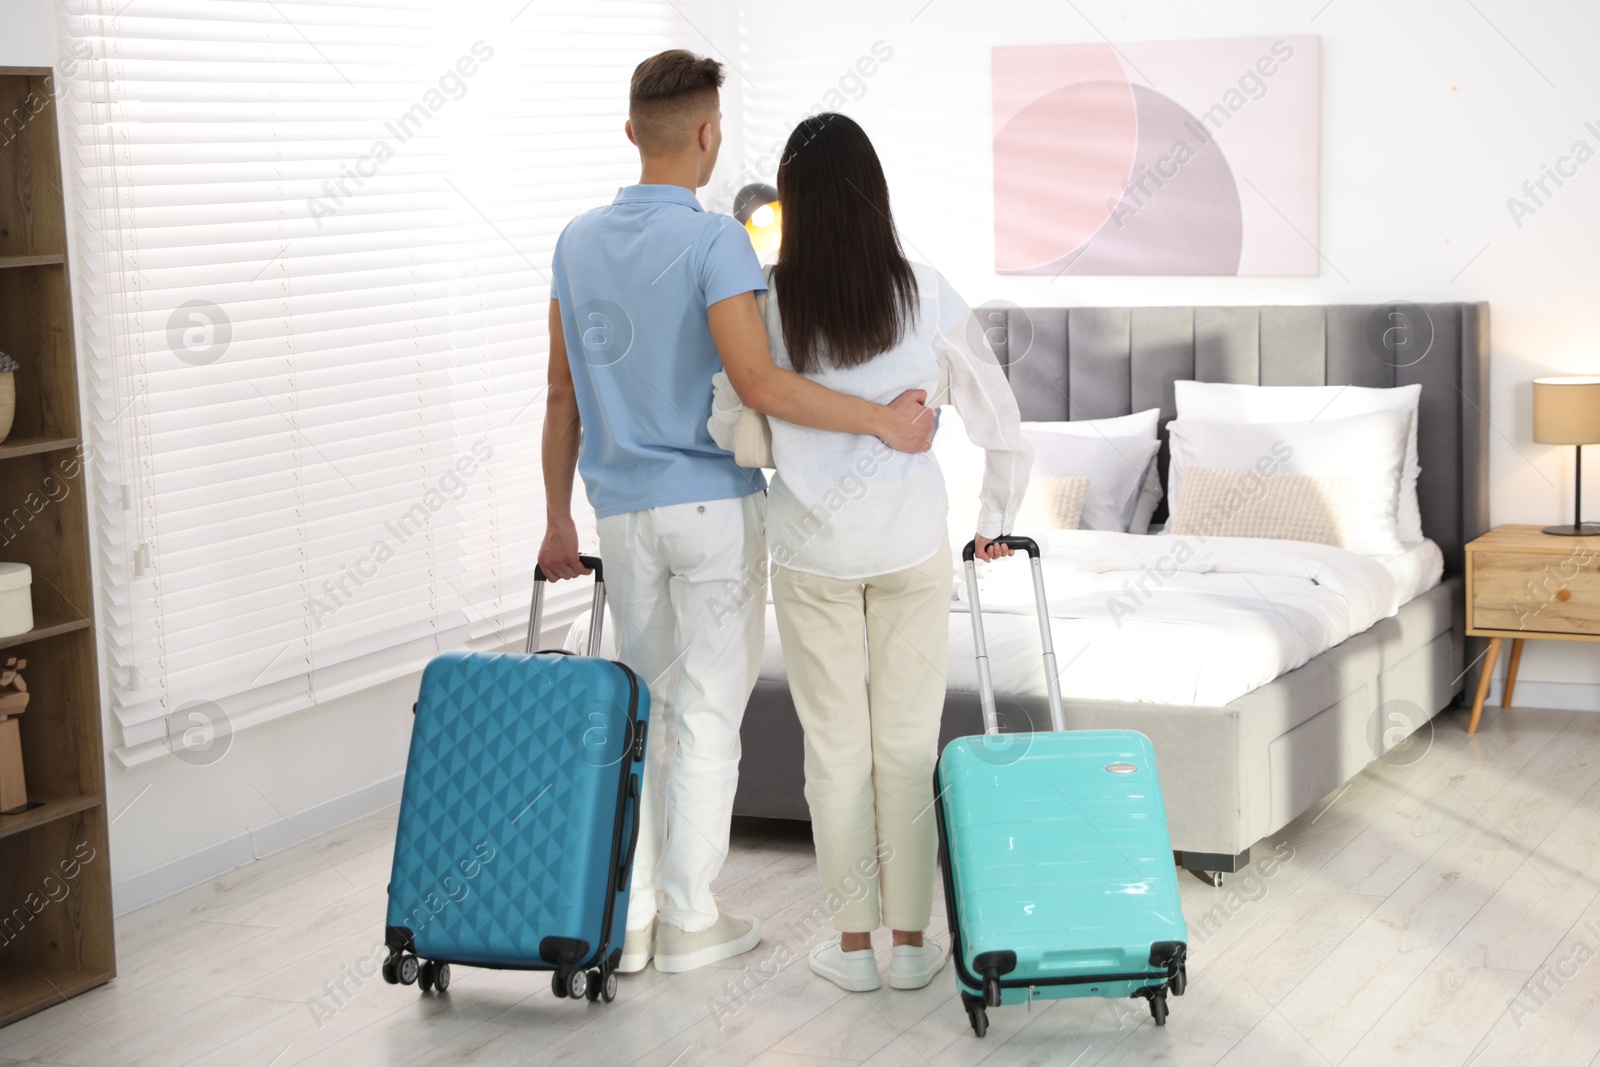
[8, 395]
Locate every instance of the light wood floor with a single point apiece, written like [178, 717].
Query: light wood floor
[1445, 912]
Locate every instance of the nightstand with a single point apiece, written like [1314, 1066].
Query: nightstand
[1522, 584]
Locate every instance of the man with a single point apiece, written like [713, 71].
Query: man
[650, 297]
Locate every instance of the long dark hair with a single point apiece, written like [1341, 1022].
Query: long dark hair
[846, 290]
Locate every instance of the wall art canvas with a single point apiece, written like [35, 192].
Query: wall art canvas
[1168, 157]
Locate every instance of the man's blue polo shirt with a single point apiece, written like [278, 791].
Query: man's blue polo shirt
[634, 280]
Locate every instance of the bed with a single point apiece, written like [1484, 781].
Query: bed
[1241, 755]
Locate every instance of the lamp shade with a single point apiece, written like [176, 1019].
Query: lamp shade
[751, 197]
[756, 208]
[1566, 411]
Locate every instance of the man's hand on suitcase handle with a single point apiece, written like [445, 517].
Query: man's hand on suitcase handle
[558, 555]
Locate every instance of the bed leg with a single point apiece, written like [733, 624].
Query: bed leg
[1212, 867]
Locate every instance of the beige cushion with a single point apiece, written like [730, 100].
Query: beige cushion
[1285, 507]
[1053, 503]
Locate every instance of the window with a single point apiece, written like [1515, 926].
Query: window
[312, 245]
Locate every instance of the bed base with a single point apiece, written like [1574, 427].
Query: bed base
[1232, 775]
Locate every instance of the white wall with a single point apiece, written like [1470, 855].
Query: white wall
[27, 33]
[1431, 119]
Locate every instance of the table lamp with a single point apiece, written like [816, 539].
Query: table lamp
[756, 208]
[1566, 411]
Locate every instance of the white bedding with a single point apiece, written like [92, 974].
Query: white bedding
[1136, 619]
[1236, 615]
[1210, 623]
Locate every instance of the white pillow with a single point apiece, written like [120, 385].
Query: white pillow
[1149, 496]
[1123, 449]
[1370, 449]
[1115, 467]
[1224, 402]
[1141, 424]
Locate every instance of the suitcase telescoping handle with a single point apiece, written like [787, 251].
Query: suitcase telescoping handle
[991, 716]
[536, 613]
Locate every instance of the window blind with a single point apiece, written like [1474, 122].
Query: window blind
[312, 251]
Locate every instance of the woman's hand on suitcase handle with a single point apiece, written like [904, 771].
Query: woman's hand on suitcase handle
[558, 555]
[984, 548]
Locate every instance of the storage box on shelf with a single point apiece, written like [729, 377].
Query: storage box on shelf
[55, 878]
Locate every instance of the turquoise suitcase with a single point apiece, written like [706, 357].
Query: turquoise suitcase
[519, 816]
[1058, 873]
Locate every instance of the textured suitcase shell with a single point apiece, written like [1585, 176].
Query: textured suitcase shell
[519, 809]
[1056, 849]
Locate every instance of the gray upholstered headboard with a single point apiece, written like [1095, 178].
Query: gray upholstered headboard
[1094, 363]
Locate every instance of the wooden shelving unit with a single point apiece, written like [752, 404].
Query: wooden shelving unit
[55, 861]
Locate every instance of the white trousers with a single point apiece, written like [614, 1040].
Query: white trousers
[687, 590]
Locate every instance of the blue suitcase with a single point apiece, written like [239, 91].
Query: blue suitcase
[519, 815]
[1059, 878]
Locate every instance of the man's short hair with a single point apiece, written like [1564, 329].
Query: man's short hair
[670, 96]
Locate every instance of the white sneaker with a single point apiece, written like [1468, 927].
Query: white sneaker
[855, 971]
[913, 966]
[637, 948]
[678, 950]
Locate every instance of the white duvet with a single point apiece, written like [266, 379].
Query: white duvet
[1175, 620]
[1164, 619]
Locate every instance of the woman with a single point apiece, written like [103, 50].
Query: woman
[862, 581]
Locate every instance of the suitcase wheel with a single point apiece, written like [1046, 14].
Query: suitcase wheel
[407, 969]
[391, 968]
[432, 975]
[1180, 981]
[602, 985]
[977, 1014]
[570, 983]
[991, 989]
[1158, 1008]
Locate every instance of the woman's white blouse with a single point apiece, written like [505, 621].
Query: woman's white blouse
[847, 505]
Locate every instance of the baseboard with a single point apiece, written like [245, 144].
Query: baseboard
[1560, 696]
[177, 875]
